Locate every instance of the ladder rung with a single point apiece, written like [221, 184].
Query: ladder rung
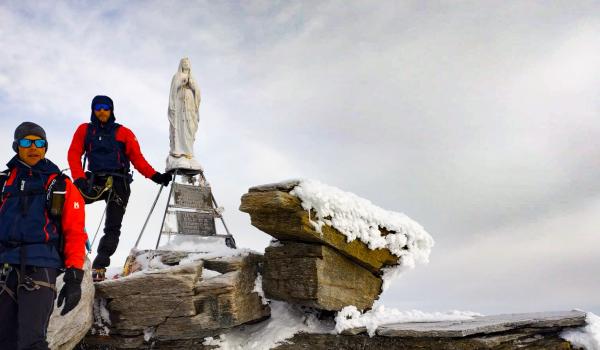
[193, 210]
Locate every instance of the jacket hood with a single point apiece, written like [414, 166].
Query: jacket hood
[101, 99]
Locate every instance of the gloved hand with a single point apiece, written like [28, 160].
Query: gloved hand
[70, 293]
[162, 179]
[82, 184]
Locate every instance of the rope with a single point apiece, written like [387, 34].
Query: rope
[102, 217]
[107, 187]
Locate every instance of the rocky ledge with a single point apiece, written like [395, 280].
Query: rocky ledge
[539, 331]
[176, 307]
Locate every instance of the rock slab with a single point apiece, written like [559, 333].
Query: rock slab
[317, 276]
[281, 215]
[176, 305]
[484, 325]
[534, 331]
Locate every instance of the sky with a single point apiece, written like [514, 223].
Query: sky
[479, 120]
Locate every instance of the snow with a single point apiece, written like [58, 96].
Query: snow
[350, 317]
[113, 272]
[202, 248]
[286, 320]
[148, 334]
[275, 243]
[587, 337]
[206, 273]
[210, 341]
[149, 261]
[358, 218]
[259, 290]
[101, 317]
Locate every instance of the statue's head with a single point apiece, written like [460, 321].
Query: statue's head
[185, 65]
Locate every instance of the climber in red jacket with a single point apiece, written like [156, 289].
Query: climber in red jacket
[109, 149]
[42, 221]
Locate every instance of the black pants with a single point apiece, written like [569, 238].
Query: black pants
[115, 210]
[24, 322]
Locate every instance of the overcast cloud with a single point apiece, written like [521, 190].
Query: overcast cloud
[477, 119]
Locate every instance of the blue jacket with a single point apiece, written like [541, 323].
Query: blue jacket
[102, 149]
[24, 220]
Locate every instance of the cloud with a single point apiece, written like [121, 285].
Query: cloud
[547, 264]
[477, 120]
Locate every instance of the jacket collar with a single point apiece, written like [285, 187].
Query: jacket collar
[44, 166]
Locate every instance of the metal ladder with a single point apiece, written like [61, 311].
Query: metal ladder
[195, 208]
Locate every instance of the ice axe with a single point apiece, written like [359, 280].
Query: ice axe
[131, 258]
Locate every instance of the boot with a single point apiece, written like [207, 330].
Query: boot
[98, 275]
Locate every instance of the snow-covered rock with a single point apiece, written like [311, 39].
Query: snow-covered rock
[309, 211]
[175, 306]
[358, 244]
[418, 330]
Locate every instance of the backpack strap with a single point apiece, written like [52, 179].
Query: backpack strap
[4, 178]
[4, 175]
[55, 199]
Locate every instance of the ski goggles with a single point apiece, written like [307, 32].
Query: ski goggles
[101, 106]
[26, 143]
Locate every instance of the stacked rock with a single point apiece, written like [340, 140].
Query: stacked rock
[177, 307]
[310, 264]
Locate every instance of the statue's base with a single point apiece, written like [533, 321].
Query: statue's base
[188, 166]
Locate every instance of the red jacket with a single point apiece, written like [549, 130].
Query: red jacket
[34, 226]
[73, 227]
[124, 135]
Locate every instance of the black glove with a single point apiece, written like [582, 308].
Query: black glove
[82, 185]
[70, 293]
[161, 179]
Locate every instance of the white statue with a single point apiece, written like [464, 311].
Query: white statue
[184, 102]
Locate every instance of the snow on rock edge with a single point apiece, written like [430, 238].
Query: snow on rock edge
[350, 317]
[358, 218]
[587, 337]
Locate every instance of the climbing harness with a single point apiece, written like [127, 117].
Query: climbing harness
[4, 273]
[99, 190]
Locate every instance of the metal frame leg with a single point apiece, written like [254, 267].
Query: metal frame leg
[166, 209]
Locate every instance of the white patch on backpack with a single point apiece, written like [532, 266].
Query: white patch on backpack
[75, 205]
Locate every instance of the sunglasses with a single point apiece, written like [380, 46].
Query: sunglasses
[26, 143]
[102, 106]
